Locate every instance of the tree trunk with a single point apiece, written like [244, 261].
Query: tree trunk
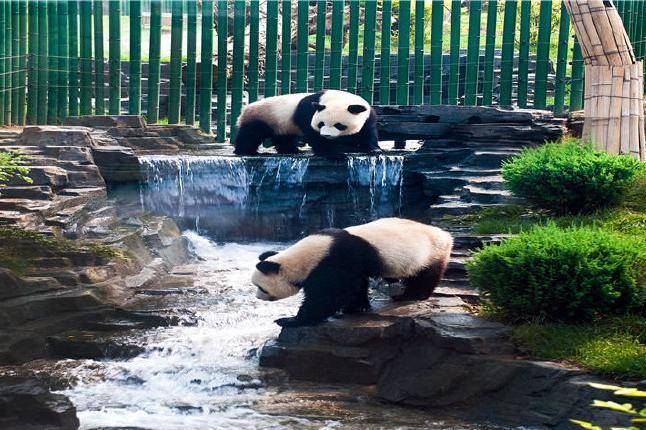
[614, 81]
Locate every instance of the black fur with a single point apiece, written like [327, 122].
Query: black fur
[266, 255]
[253, 133]
[338, 282]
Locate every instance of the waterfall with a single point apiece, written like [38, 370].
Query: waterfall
[275, 198]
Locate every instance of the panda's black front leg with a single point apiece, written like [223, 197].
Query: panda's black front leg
[311, 312]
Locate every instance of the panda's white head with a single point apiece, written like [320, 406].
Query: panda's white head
[271, 282]
[339, 113]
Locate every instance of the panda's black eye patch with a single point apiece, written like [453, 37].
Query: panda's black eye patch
[340, 126]
[321, 124]
[268, 267]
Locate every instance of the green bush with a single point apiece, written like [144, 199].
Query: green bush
[12, 164]
[553, 274]
[570, 177]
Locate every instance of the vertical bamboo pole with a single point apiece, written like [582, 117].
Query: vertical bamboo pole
[473, 53]
[191, 59]
[32, 71]
[222, 69]
[43, 61]
[319, 59]
[63, 58]
[175, 85]
[368, 60]
[8, 62]
[523, 53]
[561, 61]
[238, 62]
[15, 60]
[152, 110]
[418, 49]
[336, 44]
[403, 52]
[286, 47]
[437, 30]
[302, 31]
[254, 30]
[73, 63]
[490, 42]
[384, 74]
[542, 54]
[114, 54]
[576, 90]
[271, 47]
[22, 62]
[507, 60]
[206, 64]
[353, 46]
[85, 34]
[99, 59]
[3, 70]
[52, 93]
[454, 53]
[134, 84]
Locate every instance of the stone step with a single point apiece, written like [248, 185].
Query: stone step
[489, 159]
[494, 182]
[476, 194]
[91, 345]
[455, 207]
[34, 192]
[24, 205]
[456, 268]
[152, 143]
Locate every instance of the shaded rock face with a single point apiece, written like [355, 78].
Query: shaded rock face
[27, 404]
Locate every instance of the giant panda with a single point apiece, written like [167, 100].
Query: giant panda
[332, 267]
[330, 121]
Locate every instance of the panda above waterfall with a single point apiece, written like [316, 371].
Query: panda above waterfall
[330, 121]
[333, 266]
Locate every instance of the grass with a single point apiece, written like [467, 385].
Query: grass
[616, 347]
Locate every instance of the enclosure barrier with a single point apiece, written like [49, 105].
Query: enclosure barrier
[507, 53]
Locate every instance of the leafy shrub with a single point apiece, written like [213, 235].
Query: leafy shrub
[570, 176]
[548, 273]
[635, 414]
[12, 164]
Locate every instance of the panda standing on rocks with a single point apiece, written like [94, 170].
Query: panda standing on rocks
[332, 267]
[332, 122]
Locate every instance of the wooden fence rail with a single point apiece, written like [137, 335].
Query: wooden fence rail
[54, 62]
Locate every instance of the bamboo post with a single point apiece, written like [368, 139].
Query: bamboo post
[302, 31]
[3, 85]
[336, 44]
[63, 57]
[353, 46]
[239, 10]
[384, 74]
[15, 60]
[152, 109]
[418, 49]
[32, 71]
[73, 63]
[576, 89]
[114, 54]
[7, 63]
[206, 66]
[543, 54]
[271, 47]
[454, 52]
[523, 53]
[134, 85]
[85, 34]
[614, 96]
[191, 60]
[52, 66]
[437, 30]
[285, 47]
[221, 114]
[22, 62]
[368, 60]
[403, 52]
[507, 60]
[561, 62]
[254, 34]
[319, 59]
[175, 84]
[42, 62]
[99, 59]
[473, 53]
[490, 41]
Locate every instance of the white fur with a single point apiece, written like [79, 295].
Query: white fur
[277, 112]
[336, 111]
[296, 263]
[405, 247]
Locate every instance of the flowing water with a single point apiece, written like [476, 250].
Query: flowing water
[206, 376]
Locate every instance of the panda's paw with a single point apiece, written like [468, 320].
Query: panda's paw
[294, 322]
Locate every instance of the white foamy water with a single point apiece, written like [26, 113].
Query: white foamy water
[195, 377]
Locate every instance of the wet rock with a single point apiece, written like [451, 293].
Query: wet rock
[117, 163]
[42, 135]
[89, 345]
[104, 121]
[26, 404]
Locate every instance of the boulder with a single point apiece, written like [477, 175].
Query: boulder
[103, 121]
[117, 163]
[43, 135]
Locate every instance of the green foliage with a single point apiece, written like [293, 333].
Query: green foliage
[570, 177]
[635, 414]
[12, 165]
[614, 347]
[554, 274]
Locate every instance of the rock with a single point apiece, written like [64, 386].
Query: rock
[43, 135]
[89, 345]
[27, 404]
[43, 175]
[117, 163]
[104, 121]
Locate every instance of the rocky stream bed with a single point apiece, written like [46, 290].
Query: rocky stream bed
[164, 332]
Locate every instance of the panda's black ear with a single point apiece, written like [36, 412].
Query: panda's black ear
[357, 109]
[266, 255]
[268, 267]
[318, 106]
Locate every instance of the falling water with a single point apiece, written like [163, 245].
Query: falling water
[381, 178]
